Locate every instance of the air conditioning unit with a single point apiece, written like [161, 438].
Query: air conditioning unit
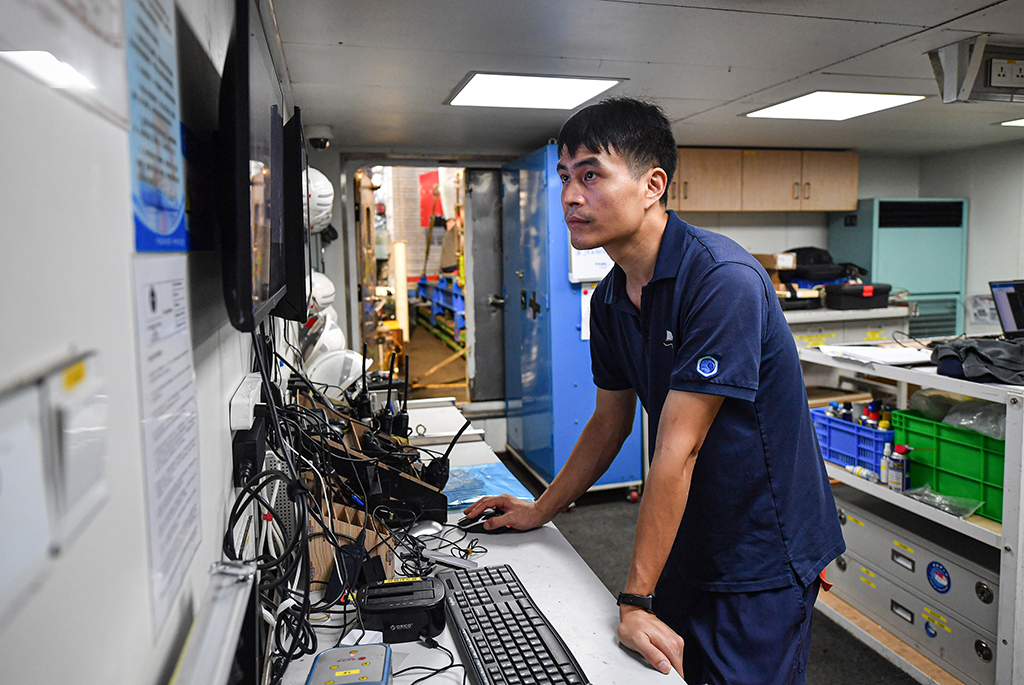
[971, 70]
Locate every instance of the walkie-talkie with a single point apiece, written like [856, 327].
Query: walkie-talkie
[360, 403]
[400, 422]
[385, 415]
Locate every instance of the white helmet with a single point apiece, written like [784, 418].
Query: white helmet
[322, 290]
[321, 200]
[330, 339]
[337, 370]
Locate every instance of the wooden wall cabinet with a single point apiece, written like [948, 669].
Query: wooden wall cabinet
[732, 180]
[799, 180]
[707, 180]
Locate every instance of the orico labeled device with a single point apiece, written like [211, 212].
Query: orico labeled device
[404, 609]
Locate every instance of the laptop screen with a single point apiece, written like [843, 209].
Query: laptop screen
[1009, 300]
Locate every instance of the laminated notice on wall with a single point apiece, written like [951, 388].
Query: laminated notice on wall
[170, 434]
[158, 181]
[588, 265]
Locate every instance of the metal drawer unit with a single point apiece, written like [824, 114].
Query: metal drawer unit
[947, 568]
[958, 646]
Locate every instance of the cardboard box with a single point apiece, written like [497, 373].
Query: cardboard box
[780, 261]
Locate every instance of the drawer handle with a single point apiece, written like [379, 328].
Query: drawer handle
[686, 190]
[903, 560]
[901, 611]
[674, 190]
[796, 191]
[807, 191]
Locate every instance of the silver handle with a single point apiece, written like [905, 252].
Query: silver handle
[686, 190]
[807, 191]
[796, 191]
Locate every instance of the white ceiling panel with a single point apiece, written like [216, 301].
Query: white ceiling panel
[380, 72]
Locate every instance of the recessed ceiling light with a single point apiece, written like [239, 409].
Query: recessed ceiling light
[529, 92]
[1015, 122]
[48, 69]
[832, 106]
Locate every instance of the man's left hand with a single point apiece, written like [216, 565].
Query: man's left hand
[646, 634]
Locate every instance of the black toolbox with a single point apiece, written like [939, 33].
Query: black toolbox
[864, 296]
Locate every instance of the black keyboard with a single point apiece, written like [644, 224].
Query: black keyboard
[502, 636]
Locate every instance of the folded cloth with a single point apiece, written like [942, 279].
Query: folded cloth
[980, 359]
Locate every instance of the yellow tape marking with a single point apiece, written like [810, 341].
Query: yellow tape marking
[815, 339]
[902, 546]
[402, 580]
[854, 520]
[353, 672]
[934, 616]
[867, 572]
[868, 582]
[875, 335]
[73, 375]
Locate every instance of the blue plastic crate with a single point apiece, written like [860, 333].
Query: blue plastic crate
[850, 444]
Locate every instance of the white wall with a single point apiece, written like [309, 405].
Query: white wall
[895, 177]
[65, 268]
[992, 180]
[766, 232]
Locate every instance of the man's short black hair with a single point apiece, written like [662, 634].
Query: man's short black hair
[638, 131]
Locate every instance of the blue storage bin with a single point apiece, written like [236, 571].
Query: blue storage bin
[850, 444]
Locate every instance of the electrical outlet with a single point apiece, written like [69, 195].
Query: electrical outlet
[1001, 73]
[1006, 73]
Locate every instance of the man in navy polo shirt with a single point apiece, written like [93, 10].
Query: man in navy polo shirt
[737, 518]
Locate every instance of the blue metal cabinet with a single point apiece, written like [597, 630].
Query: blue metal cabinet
[917, 244]
[549, 388]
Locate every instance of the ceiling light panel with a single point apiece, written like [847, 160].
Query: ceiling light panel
[48, 69]
[824, 105]
[529, 92]
[1015, 122]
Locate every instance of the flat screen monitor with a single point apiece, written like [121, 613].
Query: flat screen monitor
[1009, 300]
[294, 306]
[252, 136]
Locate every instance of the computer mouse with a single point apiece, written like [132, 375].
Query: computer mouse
[476, 525]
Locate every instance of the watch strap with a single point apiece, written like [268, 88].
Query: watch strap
[645, 602]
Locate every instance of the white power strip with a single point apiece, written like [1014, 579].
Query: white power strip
[244, 401]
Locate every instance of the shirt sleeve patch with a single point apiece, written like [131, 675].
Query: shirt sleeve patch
[707, 367]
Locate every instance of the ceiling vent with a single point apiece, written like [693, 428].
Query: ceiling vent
[974, 71]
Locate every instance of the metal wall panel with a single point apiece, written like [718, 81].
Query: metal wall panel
[483, 233]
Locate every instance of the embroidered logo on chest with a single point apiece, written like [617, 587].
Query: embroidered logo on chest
[668, 339]
[707, 366]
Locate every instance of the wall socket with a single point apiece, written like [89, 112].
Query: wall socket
[1007, 73]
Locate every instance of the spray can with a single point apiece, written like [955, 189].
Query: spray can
[883, 465]
[898, 468]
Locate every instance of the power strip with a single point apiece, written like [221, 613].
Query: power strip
[448, 559]
[244, 401]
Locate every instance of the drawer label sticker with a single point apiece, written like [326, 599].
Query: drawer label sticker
[938, 577]
[933, 619]
[906, 549]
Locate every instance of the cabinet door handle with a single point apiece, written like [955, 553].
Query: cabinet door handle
[686, 190]
[673, 196]
[796, 191]
[807, 191]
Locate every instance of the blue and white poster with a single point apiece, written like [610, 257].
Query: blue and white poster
[157, 167]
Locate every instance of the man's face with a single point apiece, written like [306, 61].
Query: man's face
[601, 199]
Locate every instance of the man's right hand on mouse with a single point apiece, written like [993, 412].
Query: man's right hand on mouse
[517, 513]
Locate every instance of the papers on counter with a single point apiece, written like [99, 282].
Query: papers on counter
[895, 356]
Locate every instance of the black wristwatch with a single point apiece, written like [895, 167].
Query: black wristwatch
[645, 602]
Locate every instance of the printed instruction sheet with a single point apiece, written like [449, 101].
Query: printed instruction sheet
[170, 435]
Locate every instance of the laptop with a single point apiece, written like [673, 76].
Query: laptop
[1009, 300]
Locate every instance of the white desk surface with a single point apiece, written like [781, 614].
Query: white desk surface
[433, 425]
[822, 315]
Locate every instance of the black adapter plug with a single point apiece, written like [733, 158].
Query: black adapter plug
[249, 449]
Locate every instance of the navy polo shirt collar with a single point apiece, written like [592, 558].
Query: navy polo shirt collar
[670, 256]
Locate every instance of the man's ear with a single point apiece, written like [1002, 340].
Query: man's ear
[656, 185]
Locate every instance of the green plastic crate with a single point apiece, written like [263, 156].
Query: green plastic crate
[955, 461]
